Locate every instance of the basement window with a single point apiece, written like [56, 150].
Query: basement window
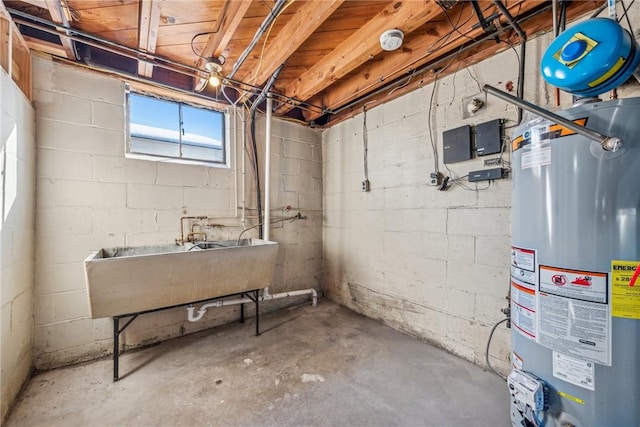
[161, 129]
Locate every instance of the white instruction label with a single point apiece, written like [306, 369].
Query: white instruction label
[538, 157]
[523, 309]
[523, 291]
[523, 265]
[574, 371]
[573, 313]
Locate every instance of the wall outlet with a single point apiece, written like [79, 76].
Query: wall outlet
[435, 179]
[365, 185]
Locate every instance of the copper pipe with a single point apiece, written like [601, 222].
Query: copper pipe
[191, 236]
[182, 219]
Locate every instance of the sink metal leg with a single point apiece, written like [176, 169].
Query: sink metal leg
[116, 341]
[257, 313]
[242, 310]
[116, 347]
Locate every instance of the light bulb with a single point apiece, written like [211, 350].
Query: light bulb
[214, 80]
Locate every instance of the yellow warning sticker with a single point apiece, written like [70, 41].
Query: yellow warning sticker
[570, 397]
[625, 289]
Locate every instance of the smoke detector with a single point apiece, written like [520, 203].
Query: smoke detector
[391, 39]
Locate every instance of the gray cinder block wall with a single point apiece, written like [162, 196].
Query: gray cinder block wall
[433, 264]
[18, 159]
[90, 196]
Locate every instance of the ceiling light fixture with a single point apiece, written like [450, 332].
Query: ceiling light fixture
[214, 67]
[391, 39]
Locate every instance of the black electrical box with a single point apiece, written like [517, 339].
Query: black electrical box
[456, 144]
[489, 137]
[486, 174]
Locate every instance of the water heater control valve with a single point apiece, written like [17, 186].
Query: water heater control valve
[529, 397]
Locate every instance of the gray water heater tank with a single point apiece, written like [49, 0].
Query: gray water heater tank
[574, 257]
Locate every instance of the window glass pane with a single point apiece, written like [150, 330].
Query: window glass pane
[203, 134]
[154, 125]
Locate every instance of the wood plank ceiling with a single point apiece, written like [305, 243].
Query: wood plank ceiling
[329, 50]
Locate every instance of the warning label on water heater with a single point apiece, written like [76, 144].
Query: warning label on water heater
[573, 313]
[523, 291]
[625, 289]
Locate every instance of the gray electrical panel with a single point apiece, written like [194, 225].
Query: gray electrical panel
[489, 137]
[456, 144]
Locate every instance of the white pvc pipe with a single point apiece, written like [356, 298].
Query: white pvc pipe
[193, 317]
[244, 155]
[267, 170]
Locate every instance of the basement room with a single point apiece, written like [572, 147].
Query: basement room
[320, 213]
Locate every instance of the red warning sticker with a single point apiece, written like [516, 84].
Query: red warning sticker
[576, 284]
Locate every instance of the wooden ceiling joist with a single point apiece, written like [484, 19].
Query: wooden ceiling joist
[218, 41]
[415, 53]
[296, 31]
[148, 33]
[470, 57]
[55, 10]
[360, 47]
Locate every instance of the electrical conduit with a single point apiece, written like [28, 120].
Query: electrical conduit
[194, 317]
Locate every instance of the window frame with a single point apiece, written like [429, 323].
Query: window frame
[226, 133]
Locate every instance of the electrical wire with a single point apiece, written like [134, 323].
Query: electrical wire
[626, 14]
[431, 49]
[486, 354]
[220, 20]
[266, 37]
[276, 221]
[431, 135]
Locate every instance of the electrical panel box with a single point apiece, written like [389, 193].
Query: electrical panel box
[456, 144]
[489, 137]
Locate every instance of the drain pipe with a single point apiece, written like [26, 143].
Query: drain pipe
[256, 38]
[194, 317]
[267, 170]
[266, 93]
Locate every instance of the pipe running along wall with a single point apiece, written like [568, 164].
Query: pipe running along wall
[267, 170]
[266, 296]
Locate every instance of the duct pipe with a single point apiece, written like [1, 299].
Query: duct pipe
[523, 50]
[194, 317]
[609, 143]
[267, 169]
[256, 38]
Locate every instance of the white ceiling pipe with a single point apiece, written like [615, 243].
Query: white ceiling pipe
[193, 317]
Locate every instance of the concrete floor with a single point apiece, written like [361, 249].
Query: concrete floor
[311, 366]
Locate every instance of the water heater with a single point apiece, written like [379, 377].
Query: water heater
[575, 255]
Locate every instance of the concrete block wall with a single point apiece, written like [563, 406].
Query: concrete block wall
[91, 196]
[17, 142]
[433, 264]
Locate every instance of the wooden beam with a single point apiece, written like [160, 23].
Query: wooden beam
[295, 32]
[217, 42]
[5, 44]
[535, 25]
[415, 53]
[55, 10]
[43, 46]
[38, 3]
[148, 32]
[405, 15]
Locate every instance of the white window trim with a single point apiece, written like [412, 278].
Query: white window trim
[228, 136]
